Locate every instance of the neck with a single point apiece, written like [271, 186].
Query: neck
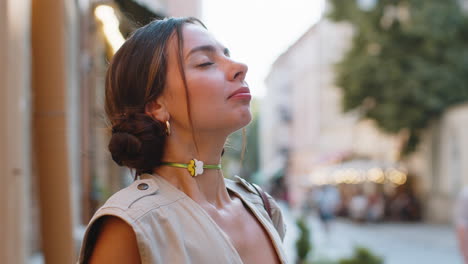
[207, 189]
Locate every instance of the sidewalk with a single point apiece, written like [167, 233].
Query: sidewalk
[397, 243]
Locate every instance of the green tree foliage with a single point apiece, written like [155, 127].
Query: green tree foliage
[362, 256]
[407, 64]
[303, 244]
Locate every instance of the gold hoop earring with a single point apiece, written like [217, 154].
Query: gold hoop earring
[168, 128]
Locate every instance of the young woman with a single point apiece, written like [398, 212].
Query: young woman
[173, 95]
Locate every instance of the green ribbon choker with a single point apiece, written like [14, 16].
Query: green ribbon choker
[195, 167]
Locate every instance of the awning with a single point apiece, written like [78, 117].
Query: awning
[359, 171]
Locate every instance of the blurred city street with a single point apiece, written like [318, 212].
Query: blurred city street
[397, 243]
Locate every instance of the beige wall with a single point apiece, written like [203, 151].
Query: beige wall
[441, 163]
[14, 130]
[274, 130]
[454, 150]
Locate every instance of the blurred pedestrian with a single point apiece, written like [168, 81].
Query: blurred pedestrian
[405, 206]
[461, 222]
[328, 200]
[375, 207]
[358, 206]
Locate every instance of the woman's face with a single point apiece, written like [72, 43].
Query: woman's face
[219, 96]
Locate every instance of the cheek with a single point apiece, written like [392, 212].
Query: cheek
[176, 102]
[207, 92]
[208, 105]
[207, 99]
[209, 82]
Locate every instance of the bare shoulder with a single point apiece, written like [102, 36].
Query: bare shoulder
[116, 243]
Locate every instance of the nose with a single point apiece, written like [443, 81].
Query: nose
[238, 70]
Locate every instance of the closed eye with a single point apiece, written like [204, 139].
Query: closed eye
[205, 64]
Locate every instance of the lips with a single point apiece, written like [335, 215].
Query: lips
[244, 91]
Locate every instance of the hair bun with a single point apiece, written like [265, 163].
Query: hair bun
[124, 148]
[137, 142]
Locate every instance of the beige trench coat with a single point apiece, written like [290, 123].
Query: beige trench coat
[172, 228]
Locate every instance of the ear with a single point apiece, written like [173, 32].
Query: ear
[157, 110]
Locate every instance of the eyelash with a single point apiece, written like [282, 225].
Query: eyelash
[205, 64]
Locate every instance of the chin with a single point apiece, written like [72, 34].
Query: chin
[245, 119]
[248, 118]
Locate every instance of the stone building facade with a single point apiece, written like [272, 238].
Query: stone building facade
[301, 84]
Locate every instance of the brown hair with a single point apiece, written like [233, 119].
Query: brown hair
[135, 77]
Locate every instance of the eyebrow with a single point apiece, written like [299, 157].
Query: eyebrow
[207, 48]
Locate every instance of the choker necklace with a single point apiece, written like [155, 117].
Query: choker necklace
[195, 167]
